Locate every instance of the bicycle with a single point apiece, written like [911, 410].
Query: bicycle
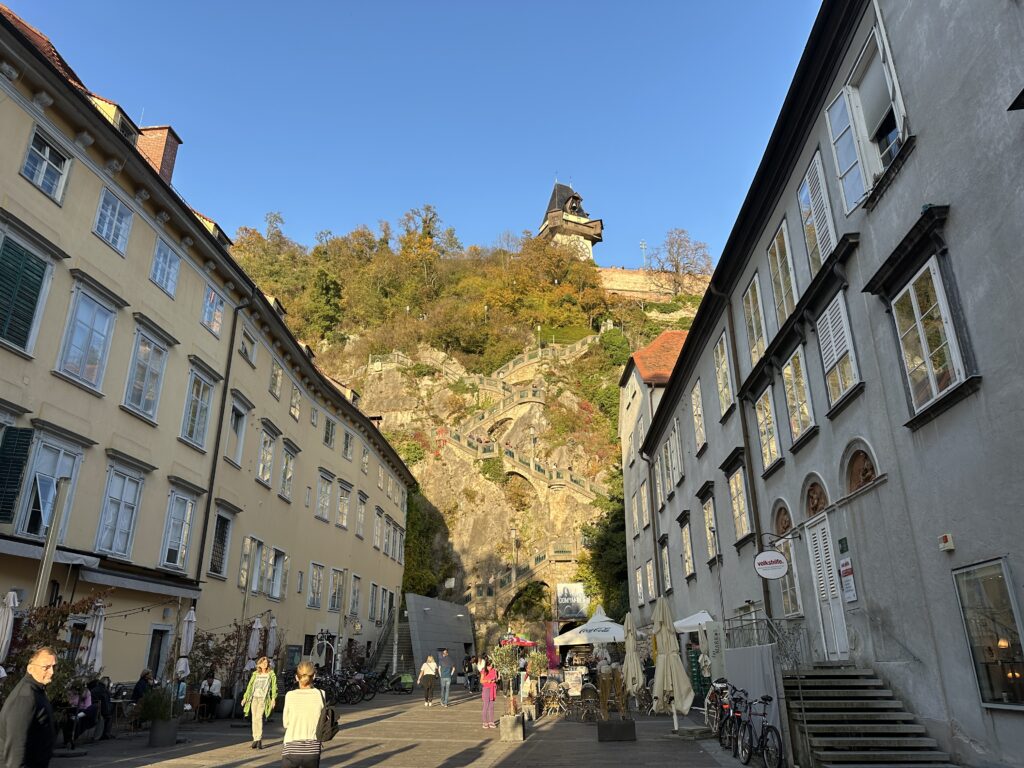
[768, 743]
[733, 716]
[713, 705]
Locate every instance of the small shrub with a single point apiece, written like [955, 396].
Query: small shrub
[493, 470]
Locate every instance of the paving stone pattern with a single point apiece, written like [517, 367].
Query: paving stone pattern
[399, 732]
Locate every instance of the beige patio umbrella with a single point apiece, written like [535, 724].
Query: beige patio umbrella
[90, 652]
[632, 669]
[672, 690]
[7, 607]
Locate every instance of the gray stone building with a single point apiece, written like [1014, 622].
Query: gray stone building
[849, 393]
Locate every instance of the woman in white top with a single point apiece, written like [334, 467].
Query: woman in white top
[428, 675]
[302, 708]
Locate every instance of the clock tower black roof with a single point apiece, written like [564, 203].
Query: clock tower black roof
[561, 195]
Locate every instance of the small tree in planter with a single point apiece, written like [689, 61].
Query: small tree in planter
[505, 659]
[157, 708]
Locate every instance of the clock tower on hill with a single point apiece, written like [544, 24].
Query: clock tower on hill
[567, 223]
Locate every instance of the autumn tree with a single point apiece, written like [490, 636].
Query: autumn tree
[677, 260]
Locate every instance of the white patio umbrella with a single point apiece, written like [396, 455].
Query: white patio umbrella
[7, 607]
[632, 669]
[670, 681]
[188, 637]
[693, 623]
[272, 638]
[254, 644]
[600, 629]
[90, 652]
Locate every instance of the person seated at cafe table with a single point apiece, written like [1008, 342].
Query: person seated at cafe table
[80, 714]
[100, 690]
[143, 684]
[209, 696]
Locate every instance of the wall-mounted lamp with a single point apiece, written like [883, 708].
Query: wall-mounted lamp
[1003, 643]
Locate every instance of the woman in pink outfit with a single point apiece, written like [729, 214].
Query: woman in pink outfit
[488, 691]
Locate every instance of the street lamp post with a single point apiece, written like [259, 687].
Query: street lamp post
[515, 555]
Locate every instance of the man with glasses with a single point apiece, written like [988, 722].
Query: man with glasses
[27, 728]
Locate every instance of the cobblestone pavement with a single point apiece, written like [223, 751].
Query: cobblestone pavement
[399, 732]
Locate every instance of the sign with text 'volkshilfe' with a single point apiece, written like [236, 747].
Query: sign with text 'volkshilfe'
[771, 565]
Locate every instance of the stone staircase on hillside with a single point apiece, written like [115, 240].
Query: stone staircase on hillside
[405, 660]
[849, 719]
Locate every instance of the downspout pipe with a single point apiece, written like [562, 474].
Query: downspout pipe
[745, 429]
[243, 304]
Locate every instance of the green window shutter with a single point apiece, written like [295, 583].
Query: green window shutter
[13, 455]
[21, 278]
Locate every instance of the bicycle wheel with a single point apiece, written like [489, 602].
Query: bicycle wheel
[725, 732]
[369, 691]
[746, 742]
[352, 694]
[713, 713]
[771, 752]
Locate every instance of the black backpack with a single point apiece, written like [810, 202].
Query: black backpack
[327, 725]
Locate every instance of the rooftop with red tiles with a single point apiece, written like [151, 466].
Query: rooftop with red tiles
[655, 362]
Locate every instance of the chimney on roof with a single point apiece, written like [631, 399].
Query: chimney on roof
[159, 145]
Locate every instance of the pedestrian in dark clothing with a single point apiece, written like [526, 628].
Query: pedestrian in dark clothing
[143, 684]
[101, 698]
[27, 727]
[447, 668]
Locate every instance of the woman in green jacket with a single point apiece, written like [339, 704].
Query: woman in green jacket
[260, 697]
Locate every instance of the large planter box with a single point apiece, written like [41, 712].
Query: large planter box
[225, 708]
[512, 728]
[616, 730]
[163, 733]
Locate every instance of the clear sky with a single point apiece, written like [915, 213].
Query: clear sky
[340, 113]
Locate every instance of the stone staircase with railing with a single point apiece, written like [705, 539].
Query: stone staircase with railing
[405, 659]
[847, 718]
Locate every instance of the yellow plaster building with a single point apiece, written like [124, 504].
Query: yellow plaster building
[208, 460]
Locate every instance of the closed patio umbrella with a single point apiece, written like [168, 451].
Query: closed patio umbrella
[90, 652]
[254, 644]
[188, 637]
[7, 607]
[632, 669]
[672, 690]
[272, 638]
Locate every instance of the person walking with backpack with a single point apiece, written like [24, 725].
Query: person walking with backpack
[428, 675]
[488, 691]
[260, 697]
[447, 667]
[302, 709]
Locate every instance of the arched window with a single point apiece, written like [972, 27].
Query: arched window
[817, 498]
[788, 583]
[860, 471]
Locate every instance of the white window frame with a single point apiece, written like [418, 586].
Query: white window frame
[816, 214]
[378, 522]
[639, 586]
[388, 533]
[287, 474]
[798, 394]
[213, 310]
[364, 464]
[81, 291]
[208, 386]
[649, 580]
[723, 378]
[781, 275]
[276, 379]
[659, 487]
[355, 586]
[917, 329]
[371, 614]
[241, 408]
[314, 415]
[324, 490]
[276, 578]
[157, 373]
[834, 342]
[687, 539]
[127, 474]
[753, 315]
[645, 505]
[344, 504]
[166, 267]
[347, 442]
[250, 564]
[221, 515]
[361, 514]
[767, 428]
[700, 435]
[315, 587]
[738, 503]
[248, 345]
[666, 572]
[185, 535]
[41, 296]
[295, 402]
[45, 162]
[710, 527]
[265, 460]
[634, 505]
[336, 593]
[790, 583]
[380, 477]
[65, 452]
[116, 234]
[674, 445]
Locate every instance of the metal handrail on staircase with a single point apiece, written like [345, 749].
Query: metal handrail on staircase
[385, 632]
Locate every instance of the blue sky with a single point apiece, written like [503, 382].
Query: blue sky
[338, 114]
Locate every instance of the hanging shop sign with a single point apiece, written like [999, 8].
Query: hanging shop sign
[771, 565]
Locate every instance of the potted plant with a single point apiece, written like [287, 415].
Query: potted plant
[505, 659]
[536, 668]
[156, 708]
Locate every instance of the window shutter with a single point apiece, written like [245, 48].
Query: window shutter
[821, 211]
[13, 456]
[832, 336]
[21, 277]
[284, 578]
[243, 568]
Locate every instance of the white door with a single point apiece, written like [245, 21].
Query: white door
[826, 583]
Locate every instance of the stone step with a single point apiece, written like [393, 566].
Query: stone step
[867, 728]
[814, 716]
[873, 742]
[845, 704]
[881, 756]
[889, 765]
[831, 671]
[846, 693]
[827, 682]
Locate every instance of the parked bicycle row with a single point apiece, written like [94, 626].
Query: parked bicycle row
[351, 686]
[741, 723]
